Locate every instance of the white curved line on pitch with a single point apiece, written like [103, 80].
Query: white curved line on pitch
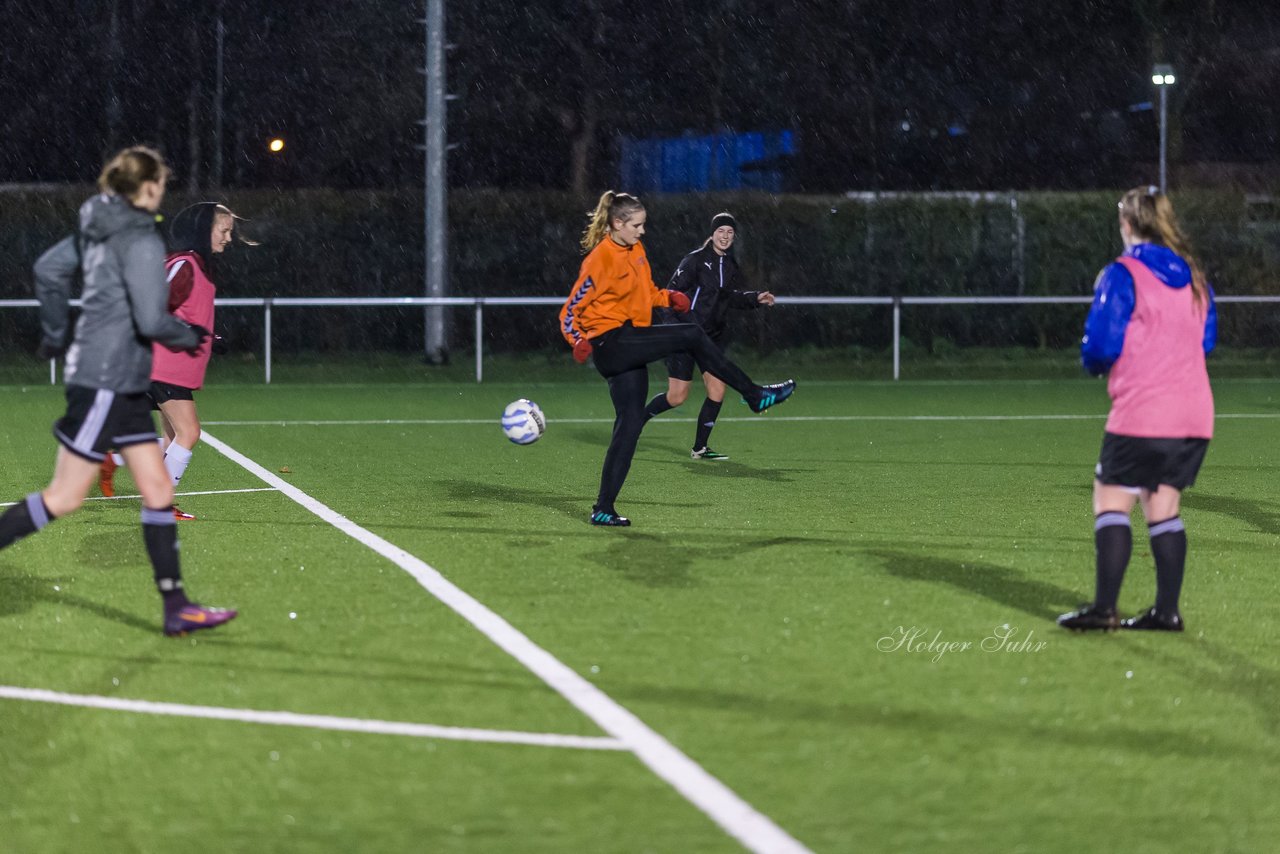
[175, 495]
[753, 829]
[296, 719]
[393, 422]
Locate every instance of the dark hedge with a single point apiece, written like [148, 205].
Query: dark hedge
[361, 243]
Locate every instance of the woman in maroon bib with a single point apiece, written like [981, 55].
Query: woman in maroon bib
[197, 234]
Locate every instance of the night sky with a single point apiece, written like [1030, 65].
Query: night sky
[883, 94]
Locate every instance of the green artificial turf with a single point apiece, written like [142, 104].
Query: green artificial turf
[751, 616]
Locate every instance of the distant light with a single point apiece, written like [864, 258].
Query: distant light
[1168, 80]
[1162, 74]
[276, 145]
[906, 125]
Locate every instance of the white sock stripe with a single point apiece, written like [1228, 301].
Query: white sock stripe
[36, 510]
[158, 517]
[1111, 519]
[1168, 526]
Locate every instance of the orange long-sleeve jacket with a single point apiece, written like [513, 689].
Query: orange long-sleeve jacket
[614, 285]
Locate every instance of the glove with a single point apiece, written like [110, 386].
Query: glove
[581, 350]
[201, 333]
[47, 350]
[679, 301]
[220, 347]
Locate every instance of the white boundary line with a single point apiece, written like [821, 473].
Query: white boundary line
[175, 495]
[329, 722]
[755, 419]
[756, 831]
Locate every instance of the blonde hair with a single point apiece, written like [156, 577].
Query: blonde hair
[1150, 216]
[125, 173]
[611, 207]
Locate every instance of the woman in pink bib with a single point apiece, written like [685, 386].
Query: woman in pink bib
[1150, 327]
[197, 233]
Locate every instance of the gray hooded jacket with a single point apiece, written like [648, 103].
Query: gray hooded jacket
[125, 299]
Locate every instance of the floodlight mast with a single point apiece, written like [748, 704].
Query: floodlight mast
[1163, 77]
[435, 178]
[219, 90]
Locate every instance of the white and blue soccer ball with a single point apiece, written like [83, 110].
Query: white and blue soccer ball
[523, 422]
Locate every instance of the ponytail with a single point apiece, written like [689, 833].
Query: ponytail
[1149, 213]
[612, 206]
[125, 173]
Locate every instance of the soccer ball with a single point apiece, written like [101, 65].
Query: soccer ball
[523, 422]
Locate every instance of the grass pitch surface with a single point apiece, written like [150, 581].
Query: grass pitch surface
[849, 623]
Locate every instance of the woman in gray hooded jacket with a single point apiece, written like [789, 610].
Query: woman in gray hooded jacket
[120, 257]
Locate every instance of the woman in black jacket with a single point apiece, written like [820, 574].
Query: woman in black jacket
[714, 283]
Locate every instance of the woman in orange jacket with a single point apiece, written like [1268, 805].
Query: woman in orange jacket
[608, 315]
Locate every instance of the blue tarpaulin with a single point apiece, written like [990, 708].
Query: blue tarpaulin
[723, 161]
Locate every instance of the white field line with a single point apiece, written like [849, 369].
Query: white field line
[175, 495]
[329, 722]
[416, 422]
[752, 418]
[756, 831]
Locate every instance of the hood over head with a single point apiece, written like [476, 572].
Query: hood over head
[192, 228]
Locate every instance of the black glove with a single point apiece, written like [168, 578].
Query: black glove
[219, 346]
[47, 350]
[201, 333]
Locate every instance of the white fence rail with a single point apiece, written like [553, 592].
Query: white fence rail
[270, 304]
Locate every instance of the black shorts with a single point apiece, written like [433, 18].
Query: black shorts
[98, 420]
[680, 365]
[165, 392]
[1144, 463]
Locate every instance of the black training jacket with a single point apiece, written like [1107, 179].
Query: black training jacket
[714, 284]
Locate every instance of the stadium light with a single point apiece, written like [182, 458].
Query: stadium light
[1163, 77]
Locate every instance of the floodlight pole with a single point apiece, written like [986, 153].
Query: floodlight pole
[435, 177]
[1164, 139]
[1163, 77]
[218, 92]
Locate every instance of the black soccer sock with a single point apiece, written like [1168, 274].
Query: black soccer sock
[26, 517]
[657, 406]
[1169, 548]
[706, 421]
[160, 533]
[1113, 540]
[627, 390]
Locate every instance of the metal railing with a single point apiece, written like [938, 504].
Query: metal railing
[270, 304]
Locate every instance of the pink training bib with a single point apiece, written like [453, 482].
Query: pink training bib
[1159, 386]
